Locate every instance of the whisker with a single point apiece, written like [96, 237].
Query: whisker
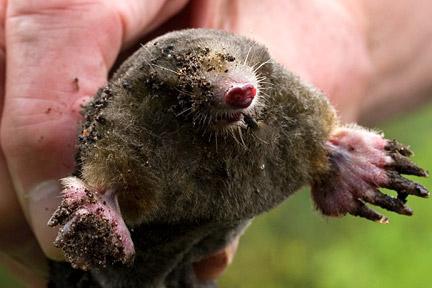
[184, 111]
[264, 94]
[216, 141]
[148, 52]
[262, 64]
[255, 136]
[167, 69]
[241, 137]
[155, 65]
[266, 83]
[204, 120]
[184, 92]
[247, 55]
[234, 137]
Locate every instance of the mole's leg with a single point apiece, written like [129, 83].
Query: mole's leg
[93, 233]
[362, 161]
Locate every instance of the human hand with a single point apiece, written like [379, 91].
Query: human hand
[59, 54]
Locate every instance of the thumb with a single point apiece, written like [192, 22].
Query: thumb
[58, 54]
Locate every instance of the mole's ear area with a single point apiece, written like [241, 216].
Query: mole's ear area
[93, 233]
[360, 162]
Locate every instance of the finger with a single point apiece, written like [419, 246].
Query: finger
[41, 113]
[215, 264]
[16, 238]
[387, 202]
[404, 186]
[59, 54]
[141, 17]
[365, 212]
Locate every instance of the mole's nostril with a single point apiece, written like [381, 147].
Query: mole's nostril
[240, 96]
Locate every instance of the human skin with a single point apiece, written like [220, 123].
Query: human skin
[47, 45]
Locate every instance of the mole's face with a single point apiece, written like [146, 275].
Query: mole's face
[214, 87]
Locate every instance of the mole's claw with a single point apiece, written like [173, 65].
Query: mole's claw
[395, 146]
[404, 186]
[405, 166]
[388, 203]
[365, 212]
[402, 197]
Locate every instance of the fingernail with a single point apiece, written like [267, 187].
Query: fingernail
[43, 199]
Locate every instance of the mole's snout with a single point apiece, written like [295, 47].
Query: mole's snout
[240, 96]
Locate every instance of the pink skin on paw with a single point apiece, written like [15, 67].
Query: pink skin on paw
[366, 151]
[94, 233]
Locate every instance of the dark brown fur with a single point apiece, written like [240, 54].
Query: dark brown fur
[168, 169]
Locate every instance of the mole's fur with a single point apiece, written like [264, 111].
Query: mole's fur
[197, 133]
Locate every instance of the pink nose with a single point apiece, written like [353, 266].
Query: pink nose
[240, 96]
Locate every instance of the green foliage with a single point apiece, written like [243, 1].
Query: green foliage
[293, 246]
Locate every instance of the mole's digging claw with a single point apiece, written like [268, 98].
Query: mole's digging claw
[388, 203]
[361, 162]
[395, 146]
[93, 233]
[403, 165]
[365, 212]
[402, 197]
[404, 186]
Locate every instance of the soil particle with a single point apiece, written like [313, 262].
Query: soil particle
[88, 237]
[90, 241]
[75, 84]
[94, 117]
[193, 89]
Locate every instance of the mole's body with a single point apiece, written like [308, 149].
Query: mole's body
[198, 132]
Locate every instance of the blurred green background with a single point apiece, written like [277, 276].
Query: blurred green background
[293, 246]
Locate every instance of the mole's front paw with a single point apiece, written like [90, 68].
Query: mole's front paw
[93, 233]
[361, 161]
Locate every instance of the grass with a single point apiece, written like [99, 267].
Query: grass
[293, 246]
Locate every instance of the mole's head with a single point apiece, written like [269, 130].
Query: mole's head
[214, 80]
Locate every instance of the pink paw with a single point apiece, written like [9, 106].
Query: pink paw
[362, 161]
[93, 233]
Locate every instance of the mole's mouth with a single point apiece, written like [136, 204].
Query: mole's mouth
[227, 119]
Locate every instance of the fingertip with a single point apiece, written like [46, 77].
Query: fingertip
[212, 266]
[141, 17]
[43, 199]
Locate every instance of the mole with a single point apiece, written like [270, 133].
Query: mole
[197, 133]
